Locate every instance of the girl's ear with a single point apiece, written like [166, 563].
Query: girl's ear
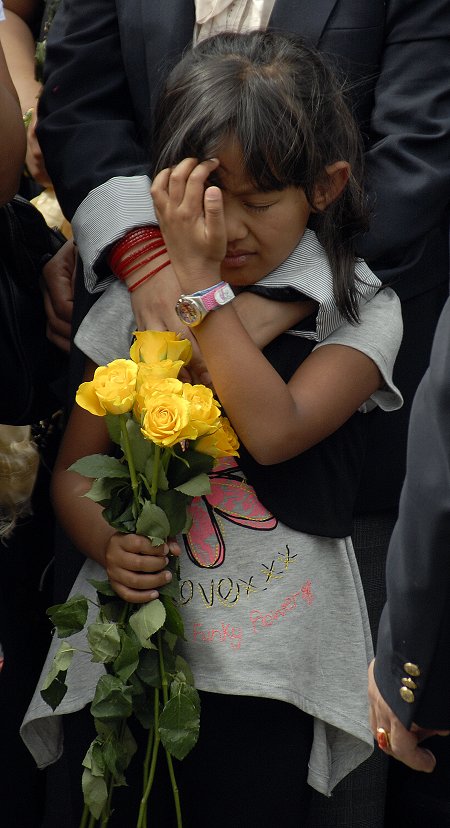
[332, 185]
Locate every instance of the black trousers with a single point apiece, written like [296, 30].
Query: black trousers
[247, 770]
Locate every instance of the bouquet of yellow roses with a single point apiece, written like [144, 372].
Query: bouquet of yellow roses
[168, 434]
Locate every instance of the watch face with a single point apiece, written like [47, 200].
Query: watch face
[188, 311]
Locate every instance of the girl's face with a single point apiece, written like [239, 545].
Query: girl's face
[263, 228]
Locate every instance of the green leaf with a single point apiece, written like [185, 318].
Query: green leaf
[143, 709]
[183, 667]
[162, 482]
[141, 449]
[69, 618]
[148, 669]
[146, 621]
[190, 464]
[174, 505]
[113, 425]
[117, 754]
[104, 641]
[54, 687]
[128, 658]
[174, 621]
[179, 686]
[95, 792]
[103, 489]
[112, 699]
[196, 486]
[153, 523]
[103, 587]
[179, 725]
[100, 465]
[93, 759]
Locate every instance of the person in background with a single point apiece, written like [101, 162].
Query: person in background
[396, 58]
[410, 678]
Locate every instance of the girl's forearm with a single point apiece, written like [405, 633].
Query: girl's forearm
[80, 517]
[254, 396]
[276, 421]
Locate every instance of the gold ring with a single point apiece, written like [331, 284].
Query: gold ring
[383, 740]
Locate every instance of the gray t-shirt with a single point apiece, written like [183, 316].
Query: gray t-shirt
[268, 611]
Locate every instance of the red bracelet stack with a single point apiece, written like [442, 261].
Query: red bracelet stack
[124, 258]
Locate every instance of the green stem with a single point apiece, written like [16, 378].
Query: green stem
[92, 821]
[129, 456]
[142, 818]
[85, 817]
[175, 791]
[165, 691]
[155, 475]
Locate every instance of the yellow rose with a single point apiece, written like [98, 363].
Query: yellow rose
[205, 411]
[111, 391]
[166, 419]
[221, 443]
[155, 346]
[151, 384]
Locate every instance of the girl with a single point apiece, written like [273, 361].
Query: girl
[255, 148]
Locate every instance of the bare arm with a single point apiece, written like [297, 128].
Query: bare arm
[19, 48]
[12, 135]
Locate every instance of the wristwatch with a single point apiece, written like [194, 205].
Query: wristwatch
[193, 308]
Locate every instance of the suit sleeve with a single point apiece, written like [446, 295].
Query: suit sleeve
[95, 146]
[408, 163]
[412, 665]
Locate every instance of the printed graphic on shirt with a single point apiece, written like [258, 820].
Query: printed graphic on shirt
[231, 499]
[262, 592]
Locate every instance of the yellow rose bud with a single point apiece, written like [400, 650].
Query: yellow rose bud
[205, 411]
[111, 391]
[166, 419]
[221, 443]
[155, 346]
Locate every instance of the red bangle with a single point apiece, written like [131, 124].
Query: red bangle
[146, 248]
[125, 273]
[148, 276]
[129, 241]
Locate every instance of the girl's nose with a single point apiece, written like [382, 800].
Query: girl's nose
[235, 224]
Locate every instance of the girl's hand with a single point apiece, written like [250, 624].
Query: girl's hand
[192, 222]
[136, 568]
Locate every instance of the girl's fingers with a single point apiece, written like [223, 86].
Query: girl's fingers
[215, 218]
[160, 187]
[178, 179]
[195, 185]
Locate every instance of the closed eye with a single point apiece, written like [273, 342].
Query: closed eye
[258, 208]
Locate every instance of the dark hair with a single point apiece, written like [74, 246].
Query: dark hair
[286, 108]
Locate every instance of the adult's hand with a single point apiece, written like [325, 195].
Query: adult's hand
[404, 743]
[34, 158]
[57, 287]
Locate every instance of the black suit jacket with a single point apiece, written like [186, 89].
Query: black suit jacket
[105, 66]
[414, 633]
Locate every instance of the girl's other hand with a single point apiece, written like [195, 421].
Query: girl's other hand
[191, 218]
[135, 568]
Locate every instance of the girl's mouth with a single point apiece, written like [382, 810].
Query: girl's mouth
[237, 258]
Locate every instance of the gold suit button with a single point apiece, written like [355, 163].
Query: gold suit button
[407, 694]
[408, 682]
[411, 669]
